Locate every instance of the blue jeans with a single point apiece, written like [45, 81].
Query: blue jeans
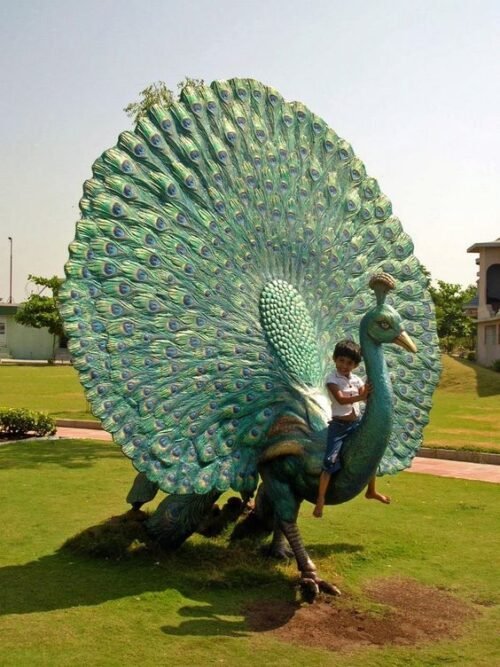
[337, 433]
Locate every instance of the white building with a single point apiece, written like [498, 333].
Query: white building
[488, 307]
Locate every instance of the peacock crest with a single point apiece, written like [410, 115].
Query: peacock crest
[223, 248]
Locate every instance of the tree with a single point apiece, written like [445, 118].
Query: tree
[454, 327]
[157, 93]
[41, 311]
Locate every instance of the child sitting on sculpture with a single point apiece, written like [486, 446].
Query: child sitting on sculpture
[346, 391]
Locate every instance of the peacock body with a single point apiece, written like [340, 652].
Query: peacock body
[224, 247]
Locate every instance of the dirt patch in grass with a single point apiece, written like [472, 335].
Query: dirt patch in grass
[395, 612]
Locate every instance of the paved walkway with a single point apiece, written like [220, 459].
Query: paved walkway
[439, 467]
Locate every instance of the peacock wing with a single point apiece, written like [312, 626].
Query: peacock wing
[222, 249]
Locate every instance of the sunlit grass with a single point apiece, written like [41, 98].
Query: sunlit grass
[466, 408]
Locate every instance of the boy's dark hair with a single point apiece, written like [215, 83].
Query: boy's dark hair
[349, 349]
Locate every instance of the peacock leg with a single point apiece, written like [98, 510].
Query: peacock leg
[142, 491]
[178, 516]
[280, 547]
[286, 506]
[310, 583]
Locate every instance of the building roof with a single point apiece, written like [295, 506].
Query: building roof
[490, 244]
[8, 308]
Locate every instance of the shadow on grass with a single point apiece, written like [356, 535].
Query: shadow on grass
[223, 578]
[487, 381]
[66, 453]
[59, 581]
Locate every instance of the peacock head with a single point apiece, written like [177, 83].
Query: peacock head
[383, 324]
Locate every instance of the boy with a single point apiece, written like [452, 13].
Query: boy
[346, 391]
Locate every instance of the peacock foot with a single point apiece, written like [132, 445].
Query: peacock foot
[311, 586]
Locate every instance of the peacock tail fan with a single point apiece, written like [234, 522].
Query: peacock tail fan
[224, 247]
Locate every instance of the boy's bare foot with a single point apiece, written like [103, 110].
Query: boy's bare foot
[375, 495]
[318, 510]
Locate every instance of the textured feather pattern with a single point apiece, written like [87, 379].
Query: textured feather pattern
[224, 247]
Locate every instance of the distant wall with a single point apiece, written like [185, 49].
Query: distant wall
[26, 342]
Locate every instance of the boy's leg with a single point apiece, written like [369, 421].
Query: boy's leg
[320, 501]
[373, 494]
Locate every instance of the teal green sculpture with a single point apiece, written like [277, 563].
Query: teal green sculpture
[224, 247]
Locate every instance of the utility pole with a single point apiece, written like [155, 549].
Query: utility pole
[10, 289]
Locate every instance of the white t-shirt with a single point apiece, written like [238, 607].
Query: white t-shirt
[349, 387]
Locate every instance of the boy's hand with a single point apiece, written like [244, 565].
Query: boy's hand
[365, 391]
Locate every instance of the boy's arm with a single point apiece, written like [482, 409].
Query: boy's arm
[345, 399]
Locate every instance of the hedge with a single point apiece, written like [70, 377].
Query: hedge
[18, 422]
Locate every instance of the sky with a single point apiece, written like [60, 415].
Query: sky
[413, 86]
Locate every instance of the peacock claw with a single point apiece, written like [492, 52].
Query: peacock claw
[327, 587]
[309, 589]
[311, 586]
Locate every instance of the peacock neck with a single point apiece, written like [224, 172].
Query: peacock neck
[363, 451]
[378, 413]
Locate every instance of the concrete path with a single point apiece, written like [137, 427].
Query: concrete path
[439, 467]
[459, 469]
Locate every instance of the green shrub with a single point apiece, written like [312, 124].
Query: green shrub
[496, 365]
[18, 422]
[471, 356]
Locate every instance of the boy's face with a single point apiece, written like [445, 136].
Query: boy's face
[344, 365]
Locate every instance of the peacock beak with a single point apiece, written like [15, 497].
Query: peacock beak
[405, 341]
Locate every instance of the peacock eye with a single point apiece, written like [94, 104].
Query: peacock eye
[384, 325]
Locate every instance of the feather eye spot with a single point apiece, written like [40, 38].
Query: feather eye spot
[139, 150]
[288, 120]
[241, 121]
[155, 139]
[189, 181]
[196, 108]
[128, 191]
[154, 261]
[187, 300]
[194, 155]
[187, 123]
[109, 269]
[301, 116]
[117, 210]
[160, 224]
[171, 190]
[212, 107]
[127, 167]
[124, 289]
[166, 124]
[128, 328]
[343, 154]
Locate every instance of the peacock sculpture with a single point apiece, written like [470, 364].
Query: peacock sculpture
[224, 246]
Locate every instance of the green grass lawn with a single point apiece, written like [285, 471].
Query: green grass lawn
[52, 389]
[466, 412]
[188, 608]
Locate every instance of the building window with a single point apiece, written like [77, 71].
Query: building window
[490, 334]
[2, 328]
